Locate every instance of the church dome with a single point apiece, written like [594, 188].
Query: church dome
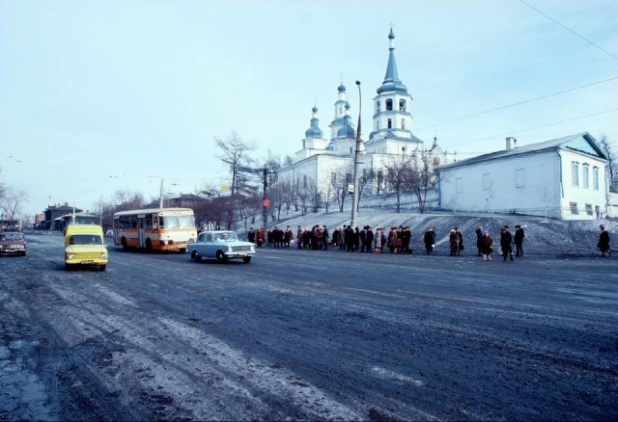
[346, 131]
[347, 105]
[314, 130]
[341, 88]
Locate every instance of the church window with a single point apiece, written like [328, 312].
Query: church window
[402, 105]
[348, 177]
[305, 181]
[575, 174]
[486, 181]
[403, 124]
[588, 209]
[364, 174]
[403, 149]
[380, 181]
[389, 123]
[333, 178]
[574, 209]
[586, 176]
[298, 181]
[520, 178]
[377, 106]
[595, 178]
[377, 124]
[350, 150]
[339, 110]
[389, 105]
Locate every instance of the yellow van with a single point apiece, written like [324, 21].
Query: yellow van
[84, 245]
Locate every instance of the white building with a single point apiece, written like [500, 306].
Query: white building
[563, 178]
[320, 161]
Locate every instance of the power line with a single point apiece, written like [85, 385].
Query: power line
[543, 126]
[570, 30]
[480, 113]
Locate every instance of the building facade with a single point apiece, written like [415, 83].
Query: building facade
[563, 178]
[321, 164]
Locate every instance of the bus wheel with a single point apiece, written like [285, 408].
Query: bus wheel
[148, 245]
[221, 256]
[195, 256]
[124, 243]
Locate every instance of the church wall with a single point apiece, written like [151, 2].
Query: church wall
[526, 184]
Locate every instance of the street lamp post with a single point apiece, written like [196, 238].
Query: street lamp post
[357, 155]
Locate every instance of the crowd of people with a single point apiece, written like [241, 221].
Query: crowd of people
[397, 240]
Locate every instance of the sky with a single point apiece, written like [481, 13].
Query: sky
[101, 95]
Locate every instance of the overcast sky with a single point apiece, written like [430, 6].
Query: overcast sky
[98, 95]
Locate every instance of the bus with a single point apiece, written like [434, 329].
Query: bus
[156, 229]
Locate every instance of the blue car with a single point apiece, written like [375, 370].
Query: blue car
[222, 245]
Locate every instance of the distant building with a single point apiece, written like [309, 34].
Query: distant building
[185, 200]
[322, 162]
[78, 218]
[53, 212]
[563, 178]
[8, 224]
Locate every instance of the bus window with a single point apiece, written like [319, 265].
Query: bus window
[186, 221]
[170, 222]
[149, 221]
[161, 222]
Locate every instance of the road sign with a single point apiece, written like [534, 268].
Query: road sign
[266, 202]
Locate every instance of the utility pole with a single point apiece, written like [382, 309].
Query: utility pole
[264, 199]
[101, 217]
[357, 155]
[161, 195]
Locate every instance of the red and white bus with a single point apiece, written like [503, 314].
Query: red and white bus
[156, 229]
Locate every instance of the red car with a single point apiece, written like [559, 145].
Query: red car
[12, 243]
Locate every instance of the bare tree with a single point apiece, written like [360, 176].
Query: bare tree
[398, 175]
[422, 176]
[235, 153]
[314, 196]
[612, 161]
[340, 180]
[12, 201]
[366, 179]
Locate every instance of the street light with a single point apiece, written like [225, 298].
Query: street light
[357, 154]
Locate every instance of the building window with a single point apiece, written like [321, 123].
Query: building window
[389, 123]
[459, 185]
[348, 177]
[298, 181]
[486, 181]
[403, 124]
[389, 105]
[403, 149]
[305, 181]
[586, 176]
[573, 206]
[339, 110]
[520, 178]
[595, 178]
[380, 179]
[333, 178]
[377, 124]
[597, 211]
[350, 150]
[377, 106]
[575, 174]
[402, 105]
[589, 209]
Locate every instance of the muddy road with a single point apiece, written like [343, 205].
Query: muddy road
[307, 335]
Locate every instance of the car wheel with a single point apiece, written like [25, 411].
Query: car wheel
[102, 268]
[246, 259]
[68, 267]
[195, 256]
[221, 256]
[23, 253]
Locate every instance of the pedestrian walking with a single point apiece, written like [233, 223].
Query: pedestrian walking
[479, 239]
[506, 243]
[603, 244]
[430, 240]
[519, 240]
[487, 246]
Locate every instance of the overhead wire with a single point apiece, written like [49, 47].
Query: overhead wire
[569, 29]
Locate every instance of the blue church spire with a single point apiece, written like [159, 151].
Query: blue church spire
[391, 78]
[314, 130]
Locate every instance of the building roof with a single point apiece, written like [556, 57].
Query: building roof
[589, 147]
[390, 136]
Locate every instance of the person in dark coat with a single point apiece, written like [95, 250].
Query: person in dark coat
[368, 239]
[430, 240]
[251, 235]
[519, 240]
[325, 237]
[453, 239]
[506, 243]
[461, 245]
[487, 246]
[603, 244]
[479, 239]
[363, 238]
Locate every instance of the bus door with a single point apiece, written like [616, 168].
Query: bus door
[141, 237]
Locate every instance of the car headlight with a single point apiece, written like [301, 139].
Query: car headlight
[253, 249]
[103, 256]
[70, 256]
[228, 250]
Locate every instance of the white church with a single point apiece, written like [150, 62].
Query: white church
[321, 160]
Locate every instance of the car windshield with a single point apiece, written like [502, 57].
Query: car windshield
[85, 239]
[225, 237]
[11, 237]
